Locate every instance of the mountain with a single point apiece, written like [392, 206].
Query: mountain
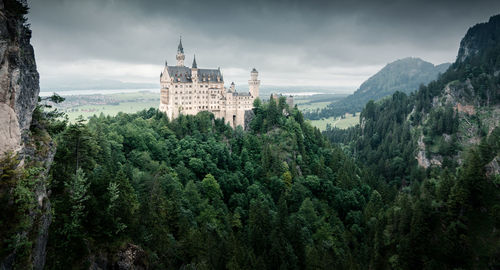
[404, 75]
[439, 149]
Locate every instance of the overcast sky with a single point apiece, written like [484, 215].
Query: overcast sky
[335, 44]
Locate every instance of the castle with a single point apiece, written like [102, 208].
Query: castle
[187, 90]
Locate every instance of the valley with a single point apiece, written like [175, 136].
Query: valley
[88, 105]
[402, 174]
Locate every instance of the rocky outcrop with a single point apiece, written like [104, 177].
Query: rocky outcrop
[421, 157]
[493, 168]
[19, 79]
[19, 89]
[249, 115]
[479, 37]
[130, 257]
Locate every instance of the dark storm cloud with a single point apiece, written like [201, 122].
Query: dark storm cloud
[291, 42]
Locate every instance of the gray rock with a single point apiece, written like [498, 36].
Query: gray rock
[19, 80]
[19, 89]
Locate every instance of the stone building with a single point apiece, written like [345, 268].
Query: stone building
[187, 90]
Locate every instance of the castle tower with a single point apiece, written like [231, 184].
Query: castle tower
[164, 91]
[194, 70]
[180, 54]
[254, 83]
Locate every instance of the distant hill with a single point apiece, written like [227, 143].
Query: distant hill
[404, 75]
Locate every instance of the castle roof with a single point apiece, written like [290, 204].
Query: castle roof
[184, 74]
[194, 63]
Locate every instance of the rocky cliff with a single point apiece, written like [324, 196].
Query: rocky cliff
[26, 152]
[480, 37]
[471, 87]
[19, 79]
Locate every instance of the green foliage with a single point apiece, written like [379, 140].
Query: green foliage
[195, 193]
[46, 118]
[19, 203]
[77, 191]
[439, 218]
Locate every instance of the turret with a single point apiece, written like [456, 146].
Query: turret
[232, 88]
[194, 69]
[180, 54]
[254, 83]
[164, 73]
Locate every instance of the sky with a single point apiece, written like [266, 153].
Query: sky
[333, 45]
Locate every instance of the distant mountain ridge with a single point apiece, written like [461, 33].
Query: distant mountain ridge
[404, 75]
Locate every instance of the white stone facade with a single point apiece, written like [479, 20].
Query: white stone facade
[187, 90]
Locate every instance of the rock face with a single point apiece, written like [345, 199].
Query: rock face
[479, 37]
[19, 79]
[19, 89]
[129, 257]
[475, 104]
[249, 115]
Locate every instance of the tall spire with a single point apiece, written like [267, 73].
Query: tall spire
[179, 48]
[194, 62]
[180, 54]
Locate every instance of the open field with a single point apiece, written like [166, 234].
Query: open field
[316, 102]
[312, 106]
[112, 104]
[349, 121]
[127, 107]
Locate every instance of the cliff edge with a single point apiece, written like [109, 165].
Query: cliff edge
[26, 148]
[19, 79]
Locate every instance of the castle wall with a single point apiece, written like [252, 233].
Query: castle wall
[189, 91]
[191, 98]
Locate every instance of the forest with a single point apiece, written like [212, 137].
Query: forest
[194, 193]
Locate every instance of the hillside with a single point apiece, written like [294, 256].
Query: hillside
[404, 75]
[440, 147]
